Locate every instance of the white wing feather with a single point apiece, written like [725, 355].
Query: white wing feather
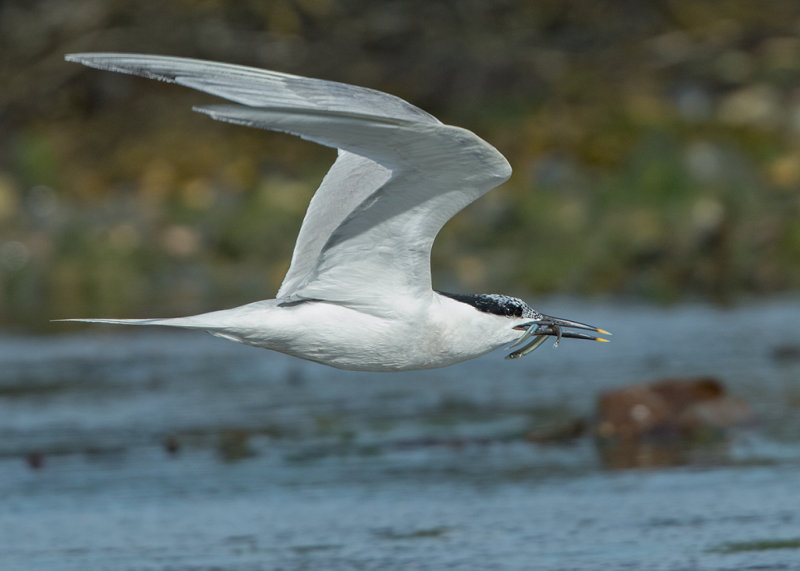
[347, 183]
[257, 87]
[351, 178]
[400, 174]
[383, 246]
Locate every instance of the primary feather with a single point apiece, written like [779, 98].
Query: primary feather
[400, 174]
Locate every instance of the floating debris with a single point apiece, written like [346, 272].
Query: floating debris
[656, 424]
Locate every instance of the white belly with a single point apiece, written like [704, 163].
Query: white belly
[413, 335]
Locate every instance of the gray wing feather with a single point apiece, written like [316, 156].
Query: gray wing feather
[257, 87]
[351, 179]
[400, 173]
[430, 172]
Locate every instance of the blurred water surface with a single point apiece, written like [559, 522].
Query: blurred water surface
[151, 449]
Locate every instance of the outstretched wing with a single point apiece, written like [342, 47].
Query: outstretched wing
[351, 178]
[257, 87]
[383, 246]
[400, 175]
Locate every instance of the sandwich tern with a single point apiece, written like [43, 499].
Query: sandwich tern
[358, 291]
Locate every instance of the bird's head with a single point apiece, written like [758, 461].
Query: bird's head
[535, 327]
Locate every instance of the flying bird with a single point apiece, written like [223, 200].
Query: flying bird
[358, 292]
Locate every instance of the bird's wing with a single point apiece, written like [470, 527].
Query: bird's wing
[382, 248]
[400, 175]
[351, 178]
[257, 87]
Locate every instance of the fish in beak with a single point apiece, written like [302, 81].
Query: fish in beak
[538, 330]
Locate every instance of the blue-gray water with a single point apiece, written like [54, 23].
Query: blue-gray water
[150, 449]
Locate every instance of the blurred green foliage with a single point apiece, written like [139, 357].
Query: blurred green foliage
[656, 147]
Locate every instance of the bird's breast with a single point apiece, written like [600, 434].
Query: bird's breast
[409, 334]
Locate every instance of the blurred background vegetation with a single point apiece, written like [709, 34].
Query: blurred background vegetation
[656, 147]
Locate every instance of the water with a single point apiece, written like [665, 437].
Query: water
[150, 449]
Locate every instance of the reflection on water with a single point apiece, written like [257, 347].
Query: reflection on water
[152, 449]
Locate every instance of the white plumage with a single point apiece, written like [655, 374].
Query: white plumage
[358, 292]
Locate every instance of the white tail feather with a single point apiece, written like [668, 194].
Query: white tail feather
[185, 322]
[213, 321]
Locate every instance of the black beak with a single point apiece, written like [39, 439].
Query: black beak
[546, 326]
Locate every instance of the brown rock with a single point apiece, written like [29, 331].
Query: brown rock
[657, 423]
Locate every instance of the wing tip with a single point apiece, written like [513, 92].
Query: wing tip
[92, 58]
[142, 65]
